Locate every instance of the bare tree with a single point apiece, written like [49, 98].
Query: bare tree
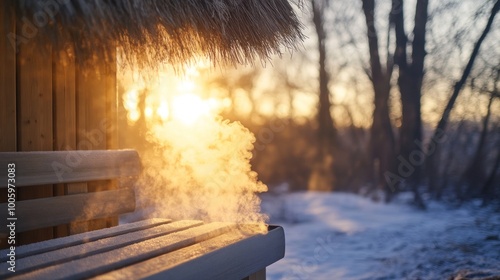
[410, 72]
[488, 189]
[431, 161]
[475, 172]
[382, 142]
[322, 177]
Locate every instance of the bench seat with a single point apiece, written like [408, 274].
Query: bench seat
[151, 249]
[147, 249]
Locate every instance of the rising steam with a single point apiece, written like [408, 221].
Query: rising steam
[199, 168]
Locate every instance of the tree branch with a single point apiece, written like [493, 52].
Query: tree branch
[376, 66]
[459, 85]
[418, 46]
[397, 15]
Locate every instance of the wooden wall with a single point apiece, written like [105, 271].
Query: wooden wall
[48, 102]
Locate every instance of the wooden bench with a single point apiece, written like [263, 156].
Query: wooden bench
[148, 249]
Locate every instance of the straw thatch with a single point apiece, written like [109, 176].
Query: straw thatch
[172, 31]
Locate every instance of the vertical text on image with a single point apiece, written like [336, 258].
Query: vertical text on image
[11, 217]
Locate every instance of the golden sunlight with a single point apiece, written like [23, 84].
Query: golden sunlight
[196, 163]
[186, 86]
[131, 104]
[163, 111]
[171, 98]
[188, 108]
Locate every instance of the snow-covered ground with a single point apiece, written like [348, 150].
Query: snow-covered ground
[345, 236]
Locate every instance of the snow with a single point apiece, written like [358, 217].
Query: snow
[345, 236]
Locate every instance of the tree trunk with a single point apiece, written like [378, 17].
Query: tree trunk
[488, 189]
[475, 174]
[441, 127]
[410, 85]
[322, 178]
[381, 135]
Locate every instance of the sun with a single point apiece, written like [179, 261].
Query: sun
[184, 108]
[189, 108]
[172, 99]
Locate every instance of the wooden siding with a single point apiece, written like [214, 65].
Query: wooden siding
[49, 103]
[8, 127]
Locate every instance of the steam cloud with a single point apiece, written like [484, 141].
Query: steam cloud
[201, 171]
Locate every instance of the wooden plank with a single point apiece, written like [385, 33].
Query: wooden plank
[34, 116]
[82, 142]
[111, 125]
[78, 226]
[64, 83]
[91, 107]
[84, 95]
[82, 238]
[153, 266]
[46, 212]
[8, 125]
[76, 188]
[64, 119]
[229, 256]
[35, 168]
[34, 89]
[92, 113]
[7, 78]
[100, 246]
[259, 275]
[101, 263]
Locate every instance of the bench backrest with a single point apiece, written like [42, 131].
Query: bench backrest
[55, 167]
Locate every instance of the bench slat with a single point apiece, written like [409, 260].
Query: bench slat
[151, 249]
[218, 258]
[100, 246]
[81, 238]
[39, 168]
[52, 211]
[105, 262]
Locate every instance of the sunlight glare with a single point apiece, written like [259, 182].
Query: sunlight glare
[163, 111]
[188, 108]
[186, 86]
[148, 112]
[131, 104]
[172, 99]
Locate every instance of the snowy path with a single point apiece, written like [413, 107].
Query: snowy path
[344, 236]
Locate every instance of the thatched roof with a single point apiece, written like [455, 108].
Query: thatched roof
[172, 31]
